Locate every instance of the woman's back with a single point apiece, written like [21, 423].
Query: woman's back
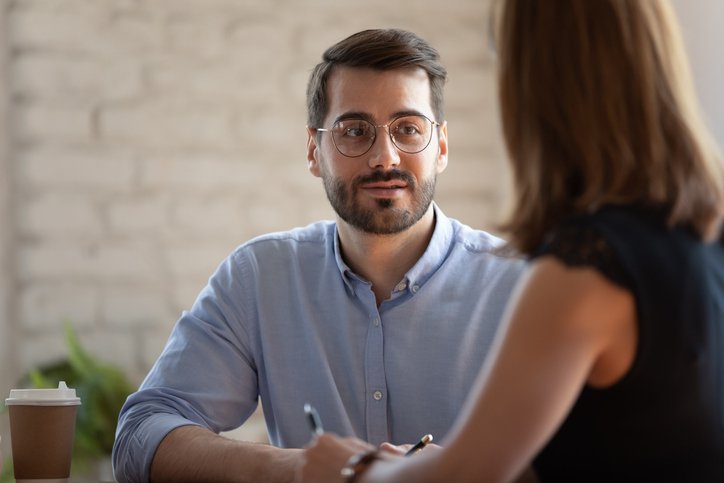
[664, 420]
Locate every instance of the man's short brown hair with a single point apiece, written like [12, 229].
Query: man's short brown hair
[382, 50]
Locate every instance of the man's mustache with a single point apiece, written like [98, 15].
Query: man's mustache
[379, 176]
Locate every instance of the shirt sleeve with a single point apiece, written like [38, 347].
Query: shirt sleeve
[206, 376]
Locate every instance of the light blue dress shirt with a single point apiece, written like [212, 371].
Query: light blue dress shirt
[284, 319]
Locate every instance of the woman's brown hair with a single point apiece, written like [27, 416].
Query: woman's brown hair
[598, 107]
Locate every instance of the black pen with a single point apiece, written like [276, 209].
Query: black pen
[314, 422]
[420, 444]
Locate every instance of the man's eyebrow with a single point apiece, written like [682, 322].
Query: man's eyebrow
[408, 112]
[354, 115]
[369, 118]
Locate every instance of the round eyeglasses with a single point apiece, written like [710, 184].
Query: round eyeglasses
[409, 134]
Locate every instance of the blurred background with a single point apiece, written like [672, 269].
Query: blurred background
[141, 141]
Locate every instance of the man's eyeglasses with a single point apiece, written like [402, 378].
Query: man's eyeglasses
[409, 134]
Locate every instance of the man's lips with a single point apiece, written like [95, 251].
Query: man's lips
[386, 189]
[385, 185]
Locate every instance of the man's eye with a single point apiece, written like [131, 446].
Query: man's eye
[353, 129]
[354, 132]
[408, 130]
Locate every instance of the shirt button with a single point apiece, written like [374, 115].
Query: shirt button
[402, 286]
[415, 288]
[376, 321]
[378, 395]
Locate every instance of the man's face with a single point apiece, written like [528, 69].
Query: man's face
[384, 191]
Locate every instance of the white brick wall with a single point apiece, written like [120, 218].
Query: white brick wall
[137, 215]
[54, 79]
[133, 306]
[53, 215]
[43, 304]
[34, 123]
[151, 137]
[135, 262]
[8, 291]
[71, 168]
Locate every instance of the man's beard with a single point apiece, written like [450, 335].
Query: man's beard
[385, 218]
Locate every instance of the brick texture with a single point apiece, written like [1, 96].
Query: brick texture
[150, 137]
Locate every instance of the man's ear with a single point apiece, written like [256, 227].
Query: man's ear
[313, 152]
[442, 150]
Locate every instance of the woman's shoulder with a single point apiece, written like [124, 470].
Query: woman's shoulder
[579, 242]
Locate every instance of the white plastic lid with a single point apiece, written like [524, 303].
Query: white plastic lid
[63, 396]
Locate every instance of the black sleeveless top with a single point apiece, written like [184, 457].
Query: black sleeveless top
[664, 420]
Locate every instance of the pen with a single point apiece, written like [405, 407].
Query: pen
[314, 422]
[421, 444]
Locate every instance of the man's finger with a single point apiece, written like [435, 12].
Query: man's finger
[394, 449]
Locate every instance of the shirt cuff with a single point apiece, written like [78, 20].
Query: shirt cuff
[136, 464]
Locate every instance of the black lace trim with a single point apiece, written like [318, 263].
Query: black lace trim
[582, 246]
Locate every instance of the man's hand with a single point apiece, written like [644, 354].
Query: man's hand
[401, 450]
[324, 459]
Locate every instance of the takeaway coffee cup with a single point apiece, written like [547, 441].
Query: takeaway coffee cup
[42, 426]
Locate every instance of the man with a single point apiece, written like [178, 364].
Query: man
[380, 320]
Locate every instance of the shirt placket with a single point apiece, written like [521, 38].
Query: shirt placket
[375, 379]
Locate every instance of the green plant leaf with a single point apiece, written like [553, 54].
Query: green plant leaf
[8, 474]
[82, 462]
[40, 380]
[81, 361]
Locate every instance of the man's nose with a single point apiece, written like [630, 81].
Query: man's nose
[384, 153]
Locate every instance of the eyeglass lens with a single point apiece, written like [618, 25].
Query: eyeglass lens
[354, 137]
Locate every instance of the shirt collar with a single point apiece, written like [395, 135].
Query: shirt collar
[347, 274]
[434, 255]
[425, 267]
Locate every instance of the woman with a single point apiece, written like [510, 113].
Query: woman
[610, 363]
